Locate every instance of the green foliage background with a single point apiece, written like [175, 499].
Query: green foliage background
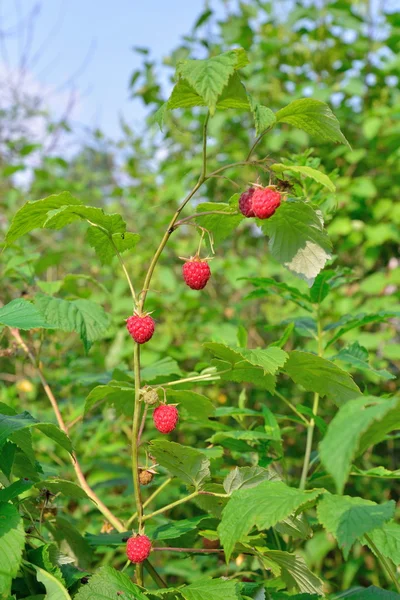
[250, 298]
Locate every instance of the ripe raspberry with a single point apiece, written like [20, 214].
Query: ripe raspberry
[246, 204]
[145, 477]
[141, 328]
[196, 273]
[165, 418]
[138, 548]
[265, 202]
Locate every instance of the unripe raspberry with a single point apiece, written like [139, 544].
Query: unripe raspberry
[145, 477]
[149, 395]
[138, 548]
[246, 204]
[196, 273]
[165, 418]
[141, 328]
[265, 201]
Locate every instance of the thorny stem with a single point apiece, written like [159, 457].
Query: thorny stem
[311, 425]
[385, 564]
[115, 522]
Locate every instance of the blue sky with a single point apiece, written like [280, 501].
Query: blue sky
[100, 33]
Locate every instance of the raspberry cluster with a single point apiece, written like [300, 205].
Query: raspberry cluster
[259, 202]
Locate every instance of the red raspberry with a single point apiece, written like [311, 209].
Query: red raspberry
[165, 418]
[196, 273]
[265, 202]
[138, 548]
[141, 328]
[246, 204]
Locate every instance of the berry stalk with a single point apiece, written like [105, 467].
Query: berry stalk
[135, 453]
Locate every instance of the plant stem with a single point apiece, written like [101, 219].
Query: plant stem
[190, 550]
[291, 406]
[311, 425]
[135, 453]
[206, 377]
[153, 573]
[125, 271]
[150, 499]
[385, 564]
[115, 522]
[170, 506]
[175, 217]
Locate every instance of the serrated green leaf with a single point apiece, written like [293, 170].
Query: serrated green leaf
[314, 117]
[220, 225]
[295, 572]
[15, 489]
[188, 464]
[59, 218]
[11, 424]
[211, 589]
[379, 472]
[64, 530]
[209, 77]
[307, 172]
[348, 519]
[245, 372]
[357, 356]
[174, 529]
[162, 368]
[33, 215]
[22, 314]
[316, 374]
[263, 116]
[321, 286]
[195, 406]
[262, 506]
[270, 359]
[12, 542]
[104, 244]
[245, 477]
[119, 394]
[361, 320]
[62, 486]
[46, 557]
[386, 540]
[370, 593]
[82, 316]
[106, 584]
[54, 588]
[297, 239]
[357, 425]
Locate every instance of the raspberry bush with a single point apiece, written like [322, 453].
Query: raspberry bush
[256, 515]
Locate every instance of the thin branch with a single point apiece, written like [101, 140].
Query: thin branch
[291, 406]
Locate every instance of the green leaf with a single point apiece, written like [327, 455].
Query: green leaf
[358, 424]
[33, 215]
[234, 95]
[295, 572]
[270, 359]
[321, 286]
[361, 320]
[162, 368]
[387, 540]
[307, 172]
[209, 77]
[264, 118]
[221, 226]
[21, 314]
[15, 489]
[357, 356]
[314, 117]
[62, 486]
[245, 477]
[348, 519]
[46, 557]
[119, 394]
[188, 464]
[65, 215]
[316, 374]
[195, 406]
[262, 506]
[84, 317]
[297, 239]
[211, 589]
[7, 456]
[184, 95]
[11, 424]
[108, 584]
[104, 243]
[174, 529]
[64, 530]
[12, 542]
[245, 372]
[371, 593]
[378, 472]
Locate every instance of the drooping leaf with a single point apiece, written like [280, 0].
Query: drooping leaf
[245, 477]
[362, 320]
[385, 539]
[62, 486]
[11, 424]
[107, 584]
[22, 314]
[188, 464]
[65, 215]
[348, 519]
[119, 394]
[314, 117]
[348, 433]
[316, 374]
[357, 356]
[263, 116]
[195, 406]
[15, 489]
[295, 572]
[33, 215]
[82, 316]
[314, 174]
[262, 506]
[297, 239]
[105, 244]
